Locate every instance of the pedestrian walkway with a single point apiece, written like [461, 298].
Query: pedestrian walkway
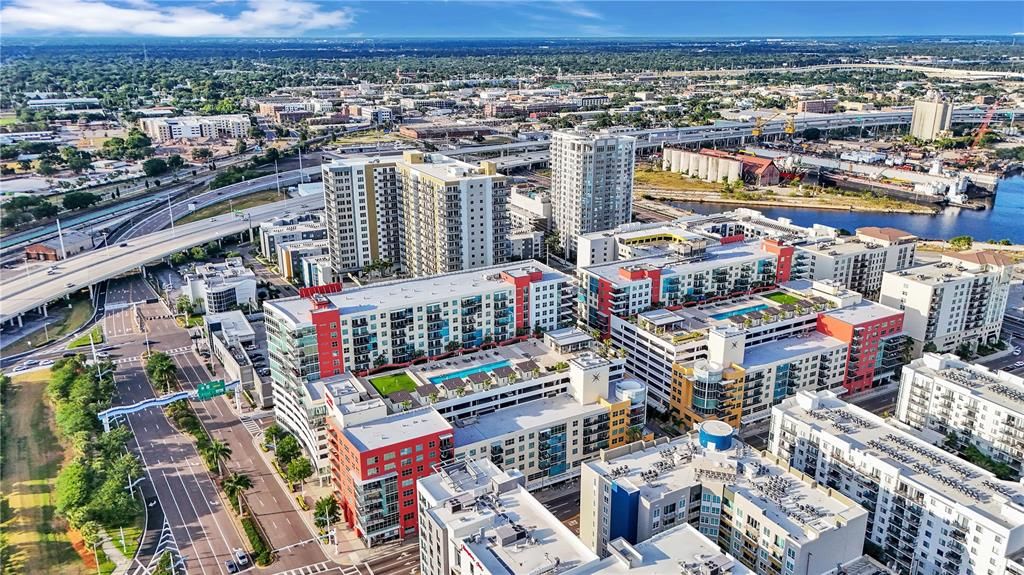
[318, 568]
[121, 563]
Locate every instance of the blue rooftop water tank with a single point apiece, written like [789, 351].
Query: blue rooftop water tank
[716, 435]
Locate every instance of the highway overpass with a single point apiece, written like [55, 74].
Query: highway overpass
[20, 293]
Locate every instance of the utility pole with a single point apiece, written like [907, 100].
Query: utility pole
[277, 178]
[170, 215]
[60, 235]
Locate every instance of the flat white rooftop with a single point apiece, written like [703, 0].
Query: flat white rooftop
[396, 428]
[1001, 388]
[717, 256]
[529, 415]
[864, 312]
[416, 291]
[951, 479]
[546, 539]
[790, 348]
[683, 463]
[662, 554]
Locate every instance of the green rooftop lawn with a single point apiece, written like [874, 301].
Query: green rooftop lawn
[388, 384]
[782, 298]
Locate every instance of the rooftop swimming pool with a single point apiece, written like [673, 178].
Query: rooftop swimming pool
[469, 371]
[742, 310]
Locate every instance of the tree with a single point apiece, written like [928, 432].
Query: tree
[46, 168]
[811, 133]
[326, 511]
[201, 154]
[44, 210]
[184, 305]
[235, 485]
[961, 243]
[554, 243]
[634, 433]
[299, 469]
[73, 486]
[179, 258]
[272, 155]
[197, 253]
[273, 434]
[287, 449]
[91, 532]
[79, 200]
[154, 167]
[175, 162]
[161, 370]
[241, 147]
[217, 451]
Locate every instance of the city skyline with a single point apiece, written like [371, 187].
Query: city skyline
[508, 19]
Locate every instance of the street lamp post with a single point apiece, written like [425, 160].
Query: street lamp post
[170, 215]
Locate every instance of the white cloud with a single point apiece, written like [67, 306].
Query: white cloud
[143, 17]
[576, 9]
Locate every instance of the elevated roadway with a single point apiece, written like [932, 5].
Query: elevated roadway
[20, 293]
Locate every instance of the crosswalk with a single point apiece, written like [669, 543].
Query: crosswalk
[138, 358]
[322, 568]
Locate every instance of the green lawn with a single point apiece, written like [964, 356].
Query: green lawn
[388, 384]
[73, 319]
[8, 120]
[83, 340]
[243, 203]
[782, 298]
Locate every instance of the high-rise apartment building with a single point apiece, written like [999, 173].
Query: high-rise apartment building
[425, 213]
[968, 404]
[591, 183]
[929, 512]
[930, 119]
[771, 520]
[958, 301]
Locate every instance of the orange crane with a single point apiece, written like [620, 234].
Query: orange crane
[985, 121]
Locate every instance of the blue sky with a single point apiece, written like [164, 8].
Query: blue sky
[508, 18]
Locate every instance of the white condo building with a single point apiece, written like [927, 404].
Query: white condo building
[930, 513]
[591, 183]
[958, 301]
[475, 519]
[194, 127]
[218, 287]
[966, 403]
[769, 518]
[327, 333]
[857, 262]
[425, 213]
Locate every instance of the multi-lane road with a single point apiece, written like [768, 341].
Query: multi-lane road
[20, 293]
[203, 527]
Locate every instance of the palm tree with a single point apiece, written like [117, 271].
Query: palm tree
[634, 433]
[217, 451]
[235, 485]
[161, 370]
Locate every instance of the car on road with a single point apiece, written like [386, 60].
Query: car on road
[31, 362]
[69, 284]
[1018, 365]
[68, 354]
[124, 245]
[22, 367]
[1016, 351]
[103, 354]
[46, 362]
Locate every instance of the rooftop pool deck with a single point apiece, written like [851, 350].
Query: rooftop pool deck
[739, 311]
[470, 371]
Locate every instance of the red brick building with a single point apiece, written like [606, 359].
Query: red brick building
[375, 466]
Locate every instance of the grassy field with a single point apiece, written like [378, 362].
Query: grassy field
[83, 340]
[782, 298]
[388, 384]
[73, 319]
[33, 455]
[250, 201]
[672, 181]
[8, 120]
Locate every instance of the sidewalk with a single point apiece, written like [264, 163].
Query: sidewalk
[121, 563]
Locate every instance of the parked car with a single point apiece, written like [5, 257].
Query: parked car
[241, 557]
[232, 568]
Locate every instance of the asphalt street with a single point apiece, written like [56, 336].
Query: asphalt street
[202, 529]
[208, 531]
[160, 219]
